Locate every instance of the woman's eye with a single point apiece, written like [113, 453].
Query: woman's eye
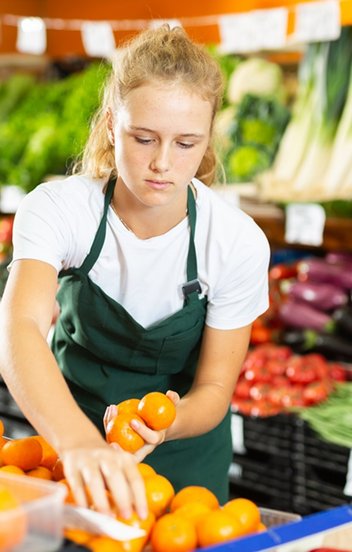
[185, 145]
[144, 141]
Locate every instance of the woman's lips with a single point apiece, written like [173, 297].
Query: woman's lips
[158, 184]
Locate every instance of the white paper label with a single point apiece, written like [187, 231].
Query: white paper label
[305, 223]
[348, 486]
[253, 31]
[98, 38]
[316, 21]
[31, 35]
[237, 434]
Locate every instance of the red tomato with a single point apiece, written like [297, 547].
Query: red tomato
[276, 367]
[242, 389]
[319, 363]
[300, 371]
[258, 373]
[263, 409]
[282, 271]
[242, 405]
[316, 392]
[337, 372]
[259, 391]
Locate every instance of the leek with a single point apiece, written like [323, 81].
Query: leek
[338, 178]
[329, 94]
[298, 132]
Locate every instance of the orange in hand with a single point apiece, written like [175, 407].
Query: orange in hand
[24, 453]
[157, 410]
[119, 431]
[174, 534]
[127, 406]
[246, 511]
[194, 493]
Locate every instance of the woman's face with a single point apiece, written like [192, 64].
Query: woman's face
[161, 133]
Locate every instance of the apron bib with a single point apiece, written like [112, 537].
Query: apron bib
[107, 357]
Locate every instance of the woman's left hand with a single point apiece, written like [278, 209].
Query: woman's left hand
[151, 437]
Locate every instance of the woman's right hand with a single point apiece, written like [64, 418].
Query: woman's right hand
[96, 467]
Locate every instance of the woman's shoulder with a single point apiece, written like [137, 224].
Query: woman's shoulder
[222, 210]
[65, 195]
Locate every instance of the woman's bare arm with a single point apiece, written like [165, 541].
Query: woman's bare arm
[33, 377]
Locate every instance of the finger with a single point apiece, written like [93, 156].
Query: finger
[95, 485]
[76, 485]
[152, 437]
[110, 414]
[174, 396]
[118, 487]
[141, 453]
[137, 487]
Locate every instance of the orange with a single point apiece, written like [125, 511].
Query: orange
[218, 526]
[157, 410]
[3, 440]
[159, 492]
[145, 470]
[137, 545]
[119, 431]
[193, 511]
[12, 469]
[104, 544]
[129, 405]
[174, 534]
[24, 453]
[49, 456]
[79, 536]
[194, 493]
[58, 470]
[13, 527]
[41, 473]
[246, 511]
[69, 499]
[2, 429]
[261, 527]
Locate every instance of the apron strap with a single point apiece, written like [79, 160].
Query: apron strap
[99, 239]
[191, 288]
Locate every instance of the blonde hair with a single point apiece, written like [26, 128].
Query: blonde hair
[161, 54]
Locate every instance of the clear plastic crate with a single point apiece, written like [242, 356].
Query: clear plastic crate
[273, 518]
[38, 521]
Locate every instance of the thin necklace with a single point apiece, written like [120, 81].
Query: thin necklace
[120, 218]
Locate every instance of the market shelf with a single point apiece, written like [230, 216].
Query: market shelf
[271, 219]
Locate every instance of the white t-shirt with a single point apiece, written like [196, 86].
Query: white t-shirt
[57, 221]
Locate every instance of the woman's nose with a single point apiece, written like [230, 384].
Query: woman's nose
[161, 160]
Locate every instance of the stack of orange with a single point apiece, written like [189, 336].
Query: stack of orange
[155, 410]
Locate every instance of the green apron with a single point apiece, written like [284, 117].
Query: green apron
[107, 357]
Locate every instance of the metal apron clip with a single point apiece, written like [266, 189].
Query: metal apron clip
[191, 287]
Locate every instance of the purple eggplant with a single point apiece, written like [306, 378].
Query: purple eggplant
[296, 314]
[320, 295]
[338, 257]
[343, 320]
[333, 347]
[319, 270]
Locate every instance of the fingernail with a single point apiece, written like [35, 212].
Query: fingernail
[143, 513]
[126, 514]
[135, 424]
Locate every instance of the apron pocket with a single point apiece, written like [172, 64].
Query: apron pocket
[177, 349]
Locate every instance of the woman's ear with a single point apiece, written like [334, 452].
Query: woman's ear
[110, 126]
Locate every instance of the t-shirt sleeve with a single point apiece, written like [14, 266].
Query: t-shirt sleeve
[241, 294]
[41, 230]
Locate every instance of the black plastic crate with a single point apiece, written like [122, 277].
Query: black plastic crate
[272, 434]
[320, 471]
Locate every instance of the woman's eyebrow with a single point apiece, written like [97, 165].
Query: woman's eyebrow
[184, 135]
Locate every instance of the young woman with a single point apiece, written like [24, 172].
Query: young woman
[159, 280]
